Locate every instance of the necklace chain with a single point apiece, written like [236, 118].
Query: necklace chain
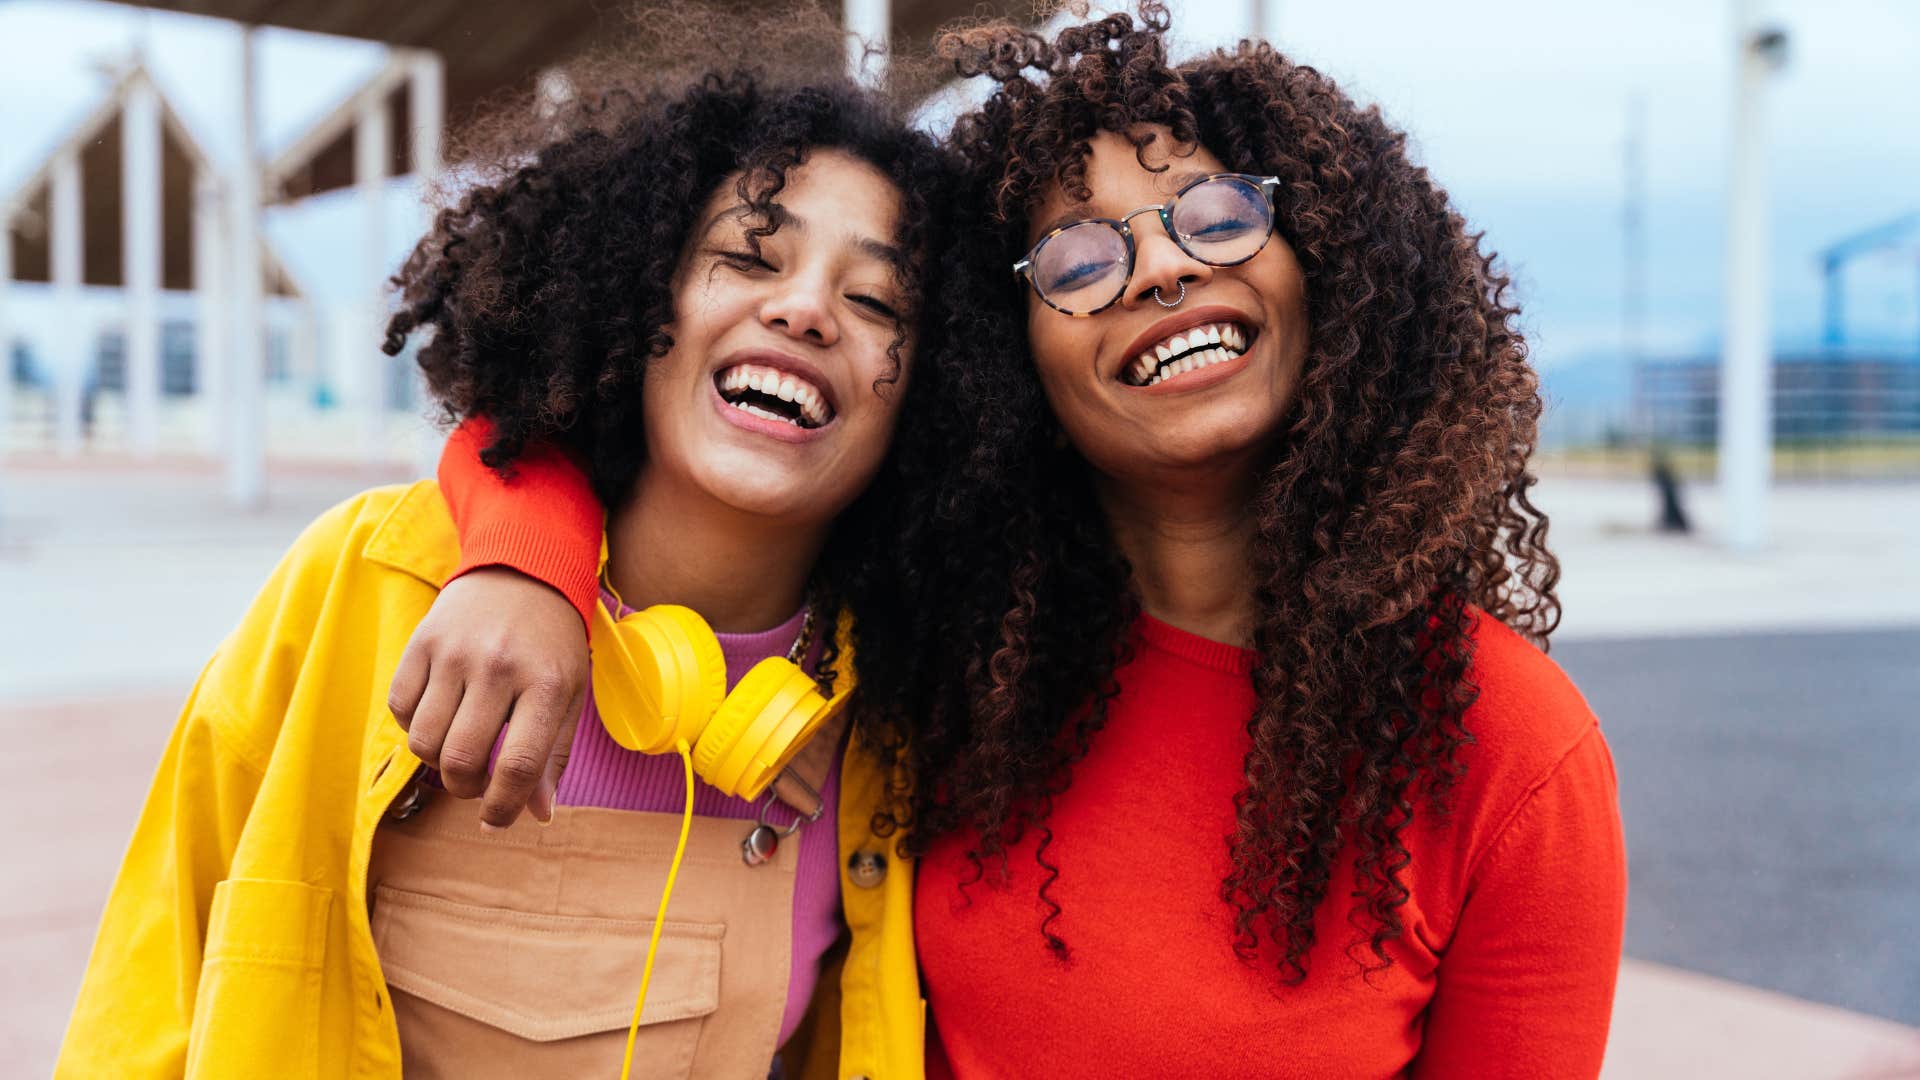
[805, 639]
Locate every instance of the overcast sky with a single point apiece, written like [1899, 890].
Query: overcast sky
[1520, 108]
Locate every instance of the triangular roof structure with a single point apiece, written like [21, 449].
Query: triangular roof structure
[96, 139]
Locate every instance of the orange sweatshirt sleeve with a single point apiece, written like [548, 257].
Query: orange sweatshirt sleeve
[1526, 988]
[544, 521]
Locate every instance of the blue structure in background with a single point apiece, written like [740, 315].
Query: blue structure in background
[1899, 233]
[1838, 392]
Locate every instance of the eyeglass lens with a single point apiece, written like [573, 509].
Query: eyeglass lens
[1220, 221]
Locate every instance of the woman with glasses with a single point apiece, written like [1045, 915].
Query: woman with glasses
[1236, 753]
[1250, 766]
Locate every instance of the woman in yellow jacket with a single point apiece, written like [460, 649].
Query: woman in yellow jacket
[706, 298]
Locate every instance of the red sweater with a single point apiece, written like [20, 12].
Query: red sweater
[1513, 926]
[544, 521]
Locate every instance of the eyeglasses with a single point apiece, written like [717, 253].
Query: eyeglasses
[1083, 267]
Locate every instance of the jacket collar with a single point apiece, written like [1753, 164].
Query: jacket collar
[417, 537]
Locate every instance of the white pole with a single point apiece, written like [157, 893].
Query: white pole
[1746, 364]
[6, 330]
[427, 105]
[372, 153]
[868, 22]
[303, 344]
[1264, 20]
[246, 345]
[70, 354]
[212, 312]
[140, 249]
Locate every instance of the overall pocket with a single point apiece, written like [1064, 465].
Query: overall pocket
[486, 991]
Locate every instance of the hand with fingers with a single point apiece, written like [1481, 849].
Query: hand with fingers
[498, 649]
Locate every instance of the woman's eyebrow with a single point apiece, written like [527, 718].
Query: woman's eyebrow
[718, 218]
[878, 249]
[1060, 219]
[1181, 179]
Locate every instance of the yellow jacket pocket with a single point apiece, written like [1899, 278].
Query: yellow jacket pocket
[257, 1009]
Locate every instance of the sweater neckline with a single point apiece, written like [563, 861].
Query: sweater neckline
[1206, 652]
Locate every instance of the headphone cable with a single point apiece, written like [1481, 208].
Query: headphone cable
[660, 918]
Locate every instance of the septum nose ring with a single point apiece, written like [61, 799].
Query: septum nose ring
[1162, 301]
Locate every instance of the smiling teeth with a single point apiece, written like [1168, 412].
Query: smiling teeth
[764, 413]
[1192, 362]
[780, 385]
[1187, 350]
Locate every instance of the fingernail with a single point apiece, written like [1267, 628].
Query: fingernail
[489, 828]
[542, 803]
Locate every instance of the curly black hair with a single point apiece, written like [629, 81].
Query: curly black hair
[1394, 502]
[545, 283]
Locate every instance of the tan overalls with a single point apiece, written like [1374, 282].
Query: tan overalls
[519, 953]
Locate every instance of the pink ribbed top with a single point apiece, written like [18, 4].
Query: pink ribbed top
[600, 772]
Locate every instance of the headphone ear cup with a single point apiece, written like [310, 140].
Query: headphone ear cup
[658, 676]
[763, 723]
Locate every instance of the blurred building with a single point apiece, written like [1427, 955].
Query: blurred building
[114, 242]
[1816, 397]
[144, 303]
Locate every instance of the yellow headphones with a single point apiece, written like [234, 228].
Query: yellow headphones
[660, 685]
[660, 681]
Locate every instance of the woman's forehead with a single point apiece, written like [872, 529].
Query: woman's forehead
[1118, 179]
[832, 195]
[836, 182]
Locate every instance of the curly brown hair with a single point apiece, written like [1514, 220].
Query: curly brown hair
[545, 285]
[1394, 500]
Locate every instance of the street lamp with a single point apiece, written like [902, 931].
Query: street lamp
[1746, 362]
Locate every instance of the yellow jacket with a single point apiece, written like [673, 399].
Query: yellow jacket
[236, 940]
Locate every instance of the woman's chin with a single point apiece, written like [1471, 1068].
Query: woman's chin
[762, 500]
[764, 489]
[1195, 444]
[796, 485]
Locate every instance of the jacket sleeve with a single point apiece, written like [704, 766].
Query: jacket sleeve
[135, 1009]
[543, 520]
[137, 1014]
[1526, 985]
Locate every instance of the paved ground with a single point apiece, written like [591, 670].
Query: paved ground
[1771, 805]
[1840, 556]
[76, 790]
[116, 580]
[1671, 1024]
[1765, 750]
